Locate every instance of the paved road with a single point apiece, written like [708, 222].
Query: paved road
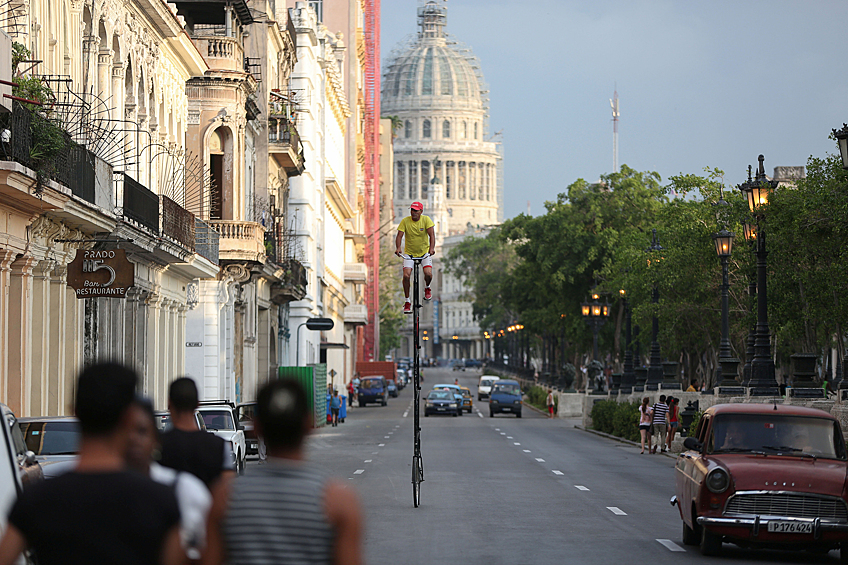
[506, 491]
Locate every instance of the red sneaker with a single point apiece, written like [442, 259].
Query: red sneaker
[407, 307]
[428, 295]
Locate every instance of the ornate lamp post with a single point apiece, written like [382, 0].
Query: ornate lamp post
[750, 231]
[628, 378]
[595, 314]
[724, 246]
[762, 381]
[655, 368]
[842, 139]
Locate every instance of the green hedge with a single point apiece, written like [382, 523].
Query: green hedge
[620, 419]
[538, 397]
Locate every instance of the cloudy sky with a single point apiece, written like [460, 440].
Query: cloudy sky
[712, 83]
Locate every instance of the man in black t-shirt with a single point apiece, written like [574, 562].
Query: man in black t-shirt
[99, 512]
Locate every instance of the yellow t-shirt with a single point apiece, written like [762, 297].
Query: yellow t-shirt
[417, 240]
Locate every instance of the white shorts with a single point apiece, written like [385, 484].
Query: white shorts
[409, 263]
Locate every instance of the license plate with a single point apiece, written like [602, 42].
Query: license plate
[505, 409]
[440, 409]
[790, 527]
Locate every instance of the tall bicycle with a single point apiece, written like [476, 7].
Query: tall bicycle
[417, 463]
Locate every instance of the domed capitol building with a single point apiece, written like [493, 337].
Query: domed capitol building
[445, 158]
[433, 84]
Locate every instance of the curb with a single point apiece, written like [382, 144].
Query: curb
[621, 440]
[537, 410]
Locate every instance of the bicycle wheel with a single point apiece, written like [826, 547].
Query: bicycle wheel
[416, 483]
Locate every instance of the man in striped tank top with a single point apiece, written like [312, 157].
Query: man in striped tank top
[287, 511]
[660, 425]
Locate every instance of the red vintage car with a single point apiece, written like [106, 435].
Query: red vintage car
[764, 475]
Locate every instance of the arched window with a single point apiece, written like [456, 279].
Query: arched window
[464, 130]
[407, 129]
[475, 130]
[446, 129]
[425, 129]
[449, 175]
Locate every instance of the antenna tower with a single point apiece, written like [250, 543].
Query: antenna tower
[615, 115]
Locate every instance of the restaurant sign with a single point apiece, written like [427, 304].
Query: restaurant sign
[106, 273]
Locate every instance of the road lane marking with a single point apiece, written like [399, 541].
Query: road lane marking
[405, 414]
[558, 472]
[515, 443]
[359, 471]
[503, 433]
[385, 437]
[526, 451]
[368, 460]
[540, 460]
[381, 445]
[497, 429]
[580, 487]
[670, 545]
[390, 433]
[616, 510]
[479, 414]
[508, 437]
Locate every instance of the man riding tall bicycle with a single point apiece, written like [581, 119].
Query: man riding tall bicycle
[420, 234]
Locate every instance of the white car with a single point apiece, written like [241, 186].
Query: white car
[484, 386]
[220, 419]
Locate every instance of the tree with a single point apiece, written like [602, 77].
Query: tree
[391, 316]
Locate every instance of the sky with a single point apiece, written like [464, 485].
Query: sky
[700, 84]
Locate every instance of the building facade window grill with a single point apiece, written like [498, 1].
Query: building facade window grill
[449, 176]
[407, 129]
[413, 179]
[446, 129]
[425, 129]
[425, 178]
[400, 181]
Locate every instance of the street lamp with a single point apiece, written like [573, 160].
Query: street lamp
[595, 314]
[655, 369]
[727, 371]
[628, 378]
[758, 191]
[750, 231]
[842, 139]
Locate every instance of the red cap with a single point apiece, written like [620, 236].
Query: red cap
[416, 206]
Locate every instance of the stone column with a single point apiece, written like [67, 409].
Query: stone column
[117, 103]
[56, 357]
[6, 258]
[152, 376]
[40, 337]
[89, 53]
[18, 344]
[104, 86]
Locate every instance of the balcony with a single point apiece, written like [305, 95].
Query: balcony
[284, 143]
[205, 240]
[141, 205]
[293, 284]
[177, 223]
[221, 53]
[356, 314]
[355, 272]
[239, 241]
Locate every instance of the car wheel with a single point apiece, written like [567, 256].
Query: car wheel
[690, 536]
[459, 412]
[361, 404]
[518, 414]
[491, 414]
[383, 403]
[710, 543]
[455, 414]
[426, 415]
[479, 398]
[843, 553]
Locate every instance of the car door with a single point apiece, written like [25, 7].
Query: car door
[688, 483]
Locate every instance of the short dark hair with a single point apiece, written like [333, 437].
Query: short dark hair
[182, 395]
[662, 398]
[104, 392]
[281, 411]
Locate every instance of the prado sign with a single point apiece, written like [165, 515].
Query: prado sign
[106, 273]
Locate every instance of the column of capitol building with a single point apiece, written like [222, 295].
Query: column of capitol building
[445, 158]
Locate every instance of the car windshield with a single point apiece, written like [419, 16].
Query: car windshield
[466, 393]
[772, 434]
[246, 412]
[51, 438]
[486, 382]
[507, 389]
[218, 419]
[371, 383]
[439, 395]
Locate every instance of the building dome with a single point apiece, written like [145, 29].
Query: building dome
[433, 71]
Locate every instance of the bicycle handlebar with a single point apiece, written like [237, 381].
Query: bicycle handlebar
[405, 256]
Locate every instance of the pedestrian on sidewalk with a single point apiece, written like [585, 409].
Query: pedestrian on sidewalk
[673, 419]
[351, 392]
[288, 511]
[645, 416]
[99, 512]
[335, 406]
[193, 497]
[659, 425]
[550, 403]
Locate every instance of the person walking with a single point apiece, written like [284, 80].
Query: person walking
[335, 406]
[351, 393]
[645, 416]
[99, 512]
[673, 420]
[288, 511]
[419, 233]
[659, 425]
[550, 403]
[193, 497]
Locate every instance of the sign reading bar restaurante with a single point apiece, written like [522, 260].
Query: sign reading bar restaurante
[106, 273]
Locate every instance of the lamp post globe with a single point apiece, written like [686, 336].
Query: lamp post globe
[842, 139]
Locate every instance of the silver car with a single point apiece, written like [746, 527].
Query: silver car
[54, 440]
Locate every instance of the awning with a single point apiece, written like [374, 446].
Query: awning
[328, 345]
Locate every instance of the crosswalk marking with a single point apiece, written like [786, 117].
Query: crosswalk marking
[526, 451]
[580, 487]
[616, 510]
[558, 472]
[359, 471]
[540, 460]
[381, 445]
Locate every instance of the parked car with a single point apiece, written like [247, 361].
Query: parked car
[29, 469]
[246, 411]
[372, 389]
[473, 363]
[484, 386]
[457, 364]
[221, 419]
[11, 479]
[467, 403]
[392, 388]
[457, 393]
[505, 398]
[54, 440]
[763, 475]
[441, 401]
